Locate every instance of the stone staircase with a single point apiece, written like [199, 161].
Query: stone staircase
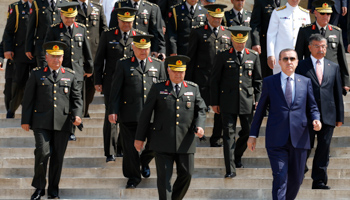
[86, 175]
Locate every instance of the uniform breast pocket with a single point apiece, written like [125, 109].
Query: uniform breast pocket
[79, 41]
[133, 79]
[268, 10]
[113, 45]
[248, 71]
[153, 73]
[64, 88]
[188, 100]
[333, 42]
[145, 19]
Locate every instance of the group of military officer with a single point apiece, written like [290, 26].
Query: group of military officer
[122, 63]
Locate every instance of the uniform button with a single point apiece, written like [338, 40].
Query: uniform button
[177, 100]
[216, 47]
[240, 67]
[197, 65]
[240, 81]
[54, 19]
[124, 102]
[177, 123]
[193, 20]
[54, 13]
[132, 74]
[61, 39]
[37, 37]
[178, 115]
[55, 105]
[177, 107]
[144, 75]
[240, 89]
[105, 73]
[16, 44]
[124, 48]
[144, 81]
[263, 35]
[144, 96]
[144, 88]
[229, 66]
[112, 47]
[34, 110]
[154, 128]
[72, 60]
[137, 17]
[22, 17]
[240, 74]
[87, 19]
[55, 98]
[54, 91]
[124, 55]
[43, 84]
[72, 46]
[87, 25]
[72, 53]
[88, 31]
[88, 37]
[137, 23]
[71, 40]
[55, 85]
[222, 91]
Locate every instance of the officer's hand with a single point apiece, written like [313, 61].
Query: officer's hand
[1, 69]
[317, 125]
[164, 30]
[29, 55]
[257, 48]
[77, 121]
[98, 88]
[25, 127]
[346, 88]
[154, 54]
[9, 55]
[138, 144]
[173, 54]
[349, 48]
[344, 10]
[200, 132]
[216, 109]
[251, 143]
[113, 118]
[338, 124]
[88, 74]
[256, 105]
[271, 62]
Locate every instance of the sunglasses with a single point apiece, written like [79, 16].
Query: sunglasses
[285, 59]
[325, 13]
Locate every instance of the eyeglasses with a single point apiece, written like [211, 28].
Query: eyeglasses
[325, 13]
[318, 46]
[285, 59]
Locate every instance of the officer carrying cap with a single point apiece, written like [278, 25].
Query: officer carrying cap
[69, 9]
[54, 48]
[126, 14]
[142, 41]
[239, 34]
[216, 10]
[323, 6]
[177, 63]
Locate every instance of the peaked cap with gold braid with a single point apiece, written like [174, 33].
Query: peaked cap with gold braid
[216, 10]
[177, 63]
[323, 6]
[54, 48]
[69, 9]
[126, 14]
[142, 41]
[239, 34]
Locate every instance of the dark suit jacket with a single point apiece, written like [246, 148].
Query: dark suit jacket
[328, 95]
[175, 117]
[284, 121]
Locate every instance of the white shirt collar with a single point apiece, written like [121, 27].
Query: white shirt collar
[314, 60]
[284, 76]
[124, 32]
[138, 60]
[54, 70]
[189, 6]
[236, 11]
[71, 26]
[319, 27]
[81, 3]
[213, 27]
[138, 3]
[179, 84]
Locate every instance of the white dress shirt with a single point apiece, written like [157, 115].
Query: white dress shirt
[314, 60]
[108, 6]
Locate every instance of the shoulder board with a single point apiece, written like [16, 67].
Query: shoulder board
[121, 1]
[53, 25]
[161, 81]
[303, 9]
[140, 32]
[14, 4]
[154, 58]
[175, 5]
[69, 70]
[96, 3]
[228, 48]
[307, 25]
[335, 27]
[110, 29]
[191, 83]
[247, 11]
[281, 8]
[80, 24]
[198, 26]
[254, 52]
[149, 3]
[124, 58]
[36, 68]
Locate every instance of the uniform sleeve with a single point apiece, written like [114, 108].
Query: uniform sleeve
[103, 21]
[29, 100]
[191, 53]
[311, 103]
[215, 80]
[272, 34]
[300, 44]
[162, 75]
[89, 66]
[9, 32]
[50, 35]
[257, 79]
[200, 114]
[172, 33]
[113, 22]
[343, 64]
[338, 97]
[116, 89]
[31, 30]
[255, 23]
[76, 99]
[99, 62]
[156, 29]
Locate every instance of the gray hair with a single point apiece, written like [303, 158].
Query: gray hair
[317, 37]
[287, 50]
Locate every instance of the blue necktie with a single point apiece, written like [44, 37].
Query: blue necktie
[288, 93]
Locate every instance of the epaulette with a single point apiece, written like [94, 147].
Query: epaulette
[335, 27]
[124, 58]
[222, 50]
[80, 24]
[36, 68]
[120, 1]
[281, 8]
[303, 9]
[97, 3]
[110, 29]
[154, 58]
[140, 32]
[175, 5]
[198, 26]
[191, 83]
[307, 25]
[254, 52]
[247, 11]
[161, 81]
[69, 70]
[53, 25]
[149, 3]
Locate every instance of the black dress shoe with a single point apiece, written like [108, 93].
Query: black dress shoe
[53, 197]
[119, 155]
[145, 171]
[230, 175]
[130, 186]
[239, 165]
[72, 138]
[320, 186]
[215, 145]
[110, 158]
[10, 115]
[37, 194]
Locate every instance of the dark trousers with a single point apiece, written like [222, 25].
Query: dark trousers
[49, 144]
[20, 77]
[110, 133]
[265, 69]
[321, 157]
[89, 94]
[287, 164]
[217, 130]
[229, 140]
[8, 84]
[184, 168]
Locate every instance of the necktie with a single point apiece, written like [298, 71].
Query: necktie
[192, 11]
[142, 63]
[277, 3]
[26, 4]
[70, 30]
[215, 31]
[53, 4]
[125, 37]
[84, 8]
[319, 73]
[240, 56]
[54, 75]
[323, 32]
[177, 89]
[288, 93]
[240, 17]
[136, 5]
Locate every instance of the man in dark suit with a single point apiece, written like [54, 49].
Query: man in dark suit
[340, 8]
[205, 42]
[91, 14]
[235, 88]
[238, 16]
[148, 19]
[333, 34]
[179, 114]
[326, 83]
[182, 18]
[52, 106]
[8, 77]
[115, 43]
[259, 23]
[42, 15]
[14, 49]
[292, 105]
[131, 83]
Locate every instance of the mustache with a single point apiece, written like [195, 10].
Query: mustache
[321, 52]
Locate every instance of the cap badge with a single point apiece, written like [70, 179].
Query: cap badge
[179, 62]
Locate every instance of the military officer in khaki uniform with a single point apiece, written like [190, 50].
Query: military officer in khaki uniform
[52, 106]
[333, 34]
[91, 14]
[204, 43]
[235, 87]
[131, 82]
[115, 43]
[179, 115]
[42, 15]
